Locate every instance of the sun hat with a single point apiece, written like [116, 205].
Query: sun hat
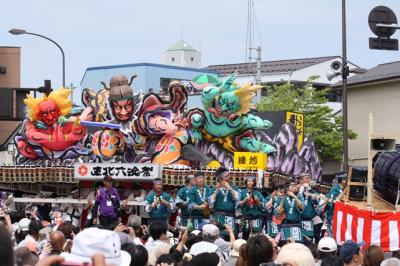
[236, 247]
[92, 241]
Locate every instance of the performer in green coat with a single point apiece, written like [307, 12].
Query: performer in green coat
[251, 204]
[159, 204]
[330, 198]
[198, 197]
[224, 199]
[308, 196]
[182, 200]
[292, 207]
[272, 203]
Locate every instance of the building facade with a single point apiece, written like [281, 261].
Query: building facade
[377, 92]
[183, 54]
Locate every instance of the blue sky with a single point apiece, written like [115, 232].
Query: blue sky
[106, 32]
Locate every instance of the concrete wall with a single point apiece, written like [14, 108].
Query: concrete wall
[10, 57]
[382, 99]
[183, 58]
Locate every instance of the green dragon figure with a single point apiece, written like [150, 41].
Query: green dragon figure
[226, 119]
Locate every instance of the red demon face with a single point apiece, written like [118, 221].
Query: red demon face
[123, 110]
[48, 112]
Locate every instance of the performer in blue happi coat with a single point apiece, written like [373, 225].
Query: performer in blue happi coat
[159, 204]
[251, 204]
[198, 197]
[224, 200]
[182, 200]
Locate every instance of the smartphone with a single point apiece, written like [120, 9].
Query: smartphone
[47, 237]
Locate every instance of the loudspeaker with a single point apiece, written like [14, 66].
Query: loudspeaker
[383, 144]
[335, 69]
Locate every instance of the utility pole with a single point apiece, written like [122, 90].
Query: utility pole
[345, 74]
[258, 72]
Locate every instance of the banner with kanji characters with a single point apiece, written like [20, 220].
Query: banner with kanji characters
[375, 228]
[297, 120]
[250, 160]
[119, 171]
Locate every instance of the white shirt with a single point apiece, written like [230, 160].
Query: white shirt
[154, 244]
[27, 239]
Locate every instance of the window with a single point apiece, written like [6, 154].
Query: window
[173, 59]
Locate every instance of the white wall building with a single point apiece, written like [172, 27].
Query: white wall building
[184, 55]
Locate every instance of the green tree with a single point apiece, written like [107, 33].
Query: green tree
[320, 123]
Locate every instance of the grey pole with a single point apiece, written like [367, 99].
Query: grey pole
[258, 73]
[345, 73]
[19, 32]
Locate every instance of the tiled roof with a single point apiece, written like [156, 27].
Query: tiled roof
[280, 66]
[181, 45]
[380, 72]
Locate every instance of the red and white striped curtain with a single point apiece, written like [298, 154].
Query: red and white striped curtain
[375, 228]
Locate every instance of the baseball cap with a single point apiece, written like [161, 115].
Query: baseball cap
[327, 244]
[92, 241]
[349, 249]
[210, 230]
[236, 246]
[23, 224]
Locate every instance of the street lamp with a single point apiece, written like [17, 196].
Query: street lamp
[20, 32]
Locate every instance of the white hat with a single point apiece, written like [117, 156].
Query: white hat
[195, 232]
[327, 244]
[210, 230]
[295, 253]
[92, 241]
[23, 224]
[236, 246]
[203, 247]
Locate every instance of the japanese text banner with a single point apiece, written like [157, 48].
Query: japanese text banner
[119, 171]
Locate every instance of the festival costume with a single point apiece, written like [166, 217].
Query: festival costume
[224, 207]
[197, 198]
[181, 198]
[272, 227]
[307, 214]
[331, 196]
[160, 212]
[251, 212]
[291, 226]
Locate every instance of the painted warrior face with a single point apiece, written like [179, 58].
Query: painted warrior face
[123, 110]
[48, 112]
[227, 104]
[162, 124]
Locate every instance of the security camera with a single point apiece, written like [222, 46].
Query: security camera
[335, 69]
